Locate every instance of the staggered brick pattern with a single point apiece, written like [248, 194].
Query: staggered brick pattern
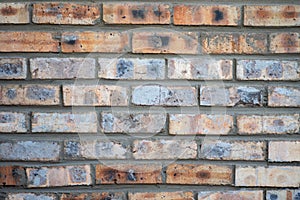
[185, 100]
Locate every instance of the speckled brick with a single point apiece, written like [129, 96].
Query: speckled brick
[62, 68]
[283, 96]
[216, 15]
[131, 68]
[282, 194]
[199, 174]
[13, 68]
[199, 69]
[284, 151]
[136, 13]
[95, 95]
[273, 176]
[31, 196]
[161, 195]
[14, 13]
[267, 70]
[29, 95]
[227, 195]
[164, 149]
[64, 122]
[13, 122]
[12, 176]
[285, 42]
[95, 196]
[159, 95]
[118, 122]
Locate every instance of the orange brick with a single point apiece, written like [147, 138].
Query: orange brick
[162, 195]
[12, 175]
[14, 13]
[285, 42]
[136, 13]
[13, 122]
[230, 195]
[284, 151]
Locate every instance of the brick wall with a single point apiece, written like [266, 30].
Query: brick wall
[150, 100]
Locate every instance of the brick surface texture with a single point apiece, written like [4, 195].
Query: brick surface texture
[155, 100]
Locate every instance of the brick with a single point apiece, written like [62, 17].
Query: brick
[28, 42]
[65, 13]
[14, 13]
[283, 96]
[161, 195]
[13, 122]
[136, 13]
[30, 151]
[129, 174]
[165, 42]
[199, 69]
[31, 196]
[88, 41]
[228, 195]
[118, 122]
[232, 150]
[59, 176]
[234, 43]
[12, 175]
[273, 15]
[216, 15]
[199, 174]
[273, 176]
[187, 124]
[282, 194]
[62, 68]
[268, 124]
[131, 68]
[267, 70]
[95, 95]
[284, 151]
[164, 149]
[285, 42]
[13, 68]
[241, 96]
[95, 196]
[29, 94]
[160, 95]
[64, 122]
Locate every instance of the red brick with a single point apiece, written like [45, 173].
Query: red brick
[14, 13]
[136, 13]
[162, 195]
[283, 96]
[284, 151]
[12, 175]
[285, 42]
[13, 68]
[230, 195]
[13, 122]
[94, 196]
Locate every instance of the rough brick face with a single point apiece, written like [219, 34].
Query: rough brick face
[136, 13]
[227, 195]
[12, 175]
[283, 194]
[94, 196]
[285, 42]
[13, 68]
[284, 151]
[161, 195]
[14, 13]
[23, 196]
[13, 122]
[283, 96]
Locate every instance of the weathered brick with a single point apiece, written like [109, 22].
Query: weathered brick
[187, 124]
[29, 95]
[65, 13]
[283, 96]
[282, 194]
[95, 95]
[284, 151]
[88, 41]
[285, 42]
[128, 174]
[58, 176]
[273, 176]
[267, 70]
[199, 174]
[199, 69]
[216, 15]
[268, 124]
[271, 15]
[132, 122]
[234, 43]
[160, 95]
[232, 150]
[165, 42]
[162, 195]
[131, 68]
[12, 175]
[62, 68]
[13, 68]
[30, 150]
[64, 122]
[28, 42]
[228, 195]
[136, 13]
[95, 196]
[164, 149]
[231, 96]
[13, 122]
[31, 196]
[14, 13]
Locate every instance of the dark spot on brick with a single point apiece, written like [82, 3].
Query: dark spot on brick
[8, 11]
[204, 174]
[138, 13]
[72, 149]
[38, 177]
[273, 197]
[78, 174]
[19, 175]
[289, 12]
[275, 70]
[218, 15]
[11, 93]
[159, 41]
[70, 39]
[261, 13]
[297, 196]
[90, 97]
[157, 13]
[278, 122]
[109, 174]
[11, 68]
[217, 151]
[7, 118]
[251, 71]
[131, 175]
[249, 96]
[124, 68]
[40, 93]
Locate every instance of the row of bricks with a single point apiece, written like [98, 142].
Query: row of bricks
[151, 13]
[130, 123]
[175, 173]
[149, 41]
[151, 149]
[150, 69]
[178, 195]
[79, 94]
